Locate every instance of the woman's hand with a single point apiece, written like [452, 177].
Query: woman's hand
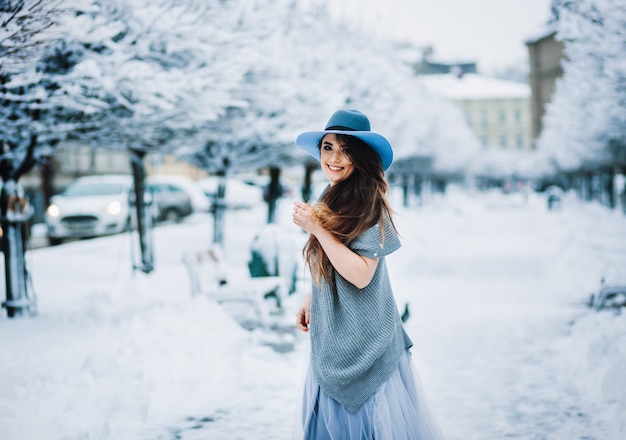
[304, 217]
[355, 268]
[303, 317]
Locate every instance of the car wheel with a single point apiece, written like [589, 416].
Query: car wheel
[55, 241]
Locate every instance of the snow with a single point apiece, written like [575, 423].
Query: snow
[495, 283]
[543, 31]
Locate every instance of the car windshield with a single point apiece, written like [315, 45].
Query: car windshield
[94, 189]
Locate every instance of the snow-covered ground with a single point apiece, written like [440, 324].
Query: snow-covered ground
[496, 286]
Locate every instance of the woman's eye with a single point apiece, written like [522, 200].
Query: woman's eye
[327, 147]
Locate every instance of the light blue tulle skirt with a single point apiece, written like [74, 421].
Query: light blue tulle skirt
[396, 411]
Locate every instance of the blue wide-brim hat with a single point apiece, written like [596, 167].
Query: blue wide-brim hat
[353, 123]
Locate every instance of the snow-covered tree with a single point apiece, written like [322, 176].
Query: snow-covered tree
[311, 65]
[154, 63]
[25, 29]
[248, 133]
[585, 124]
[160, 70]
[302, 66]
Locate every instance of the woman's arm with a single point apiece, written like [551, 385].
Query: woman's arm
[355, 268]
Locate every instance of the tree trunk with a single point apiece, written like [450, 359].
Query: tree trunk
[219, 207]
[610, 188]
[575, 181]
[47, 179]
[405, 190]
[273, 192]
[16, 213]
[622, 190]
[307, 185]
[143, 212]
[417, 188]
[587, 186]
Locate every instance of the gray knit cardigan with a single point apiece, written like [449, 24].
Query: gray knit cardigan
[357, 336]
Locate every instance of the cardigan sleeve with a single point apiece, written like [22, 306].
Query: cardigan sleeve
[373, 244]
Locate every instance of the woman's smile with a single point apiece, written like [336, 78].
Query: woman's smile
[335, 159]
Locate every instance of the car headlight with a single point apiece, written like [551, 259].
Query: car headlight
[54, 211]
[114, 208]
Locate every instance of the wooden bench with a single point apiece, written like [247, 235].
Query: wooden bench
[253, 302]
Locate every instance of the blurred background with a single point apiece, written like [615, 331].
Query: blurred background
[206, 97]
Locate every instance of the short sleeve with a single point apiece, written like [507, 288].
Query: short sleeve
[372, 244]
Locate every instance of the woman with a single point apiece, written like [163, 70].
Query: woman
[361, 384]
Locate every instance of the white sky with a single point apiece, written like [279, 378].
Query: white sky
[490, 32]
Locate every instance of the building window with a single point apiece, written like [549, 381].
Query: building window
[502, 116]
[484, 118]
[518, 116]
[503, 142]
[519, 142]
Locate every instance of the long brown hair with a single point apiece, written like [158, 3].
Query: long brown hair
[350, 207]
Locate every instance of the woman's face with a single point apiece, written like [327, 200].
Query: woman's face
[335, 160]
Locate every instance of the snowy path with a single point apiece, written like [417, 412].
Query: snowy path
[495, 291]
[495, 285]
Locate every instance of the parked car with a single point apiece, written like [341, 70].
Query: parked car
[89, 207]
[172, 199]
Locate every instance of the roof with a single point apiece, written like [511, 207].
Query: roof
[541, 33]
[474, 86]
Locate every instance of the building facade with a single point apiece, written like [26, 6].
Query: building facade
[74, 160]
[545, 54]
[497, 111]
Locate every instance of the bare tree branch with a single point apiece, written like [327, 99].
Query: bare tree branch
[23, 26]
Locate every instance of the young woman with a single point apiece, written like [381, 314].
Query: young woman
[361, 383]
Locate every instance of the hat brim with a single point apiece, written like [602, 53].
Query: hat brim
[309, 141]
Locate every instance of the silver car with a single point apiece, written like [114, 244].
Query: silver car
[172, 201]
[175, 197]
[90, 206]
